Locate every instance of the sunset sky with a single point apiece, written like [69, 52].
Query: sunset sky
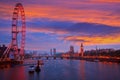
[61, 23]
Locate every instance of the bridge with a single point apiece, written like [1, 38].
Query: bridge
[48, 57]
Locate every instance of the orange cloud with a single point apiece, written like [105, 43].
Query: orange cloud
[106, 1]
[75, 15]
[114, 39]
[62, 12]
[47, 31]
[6, 11]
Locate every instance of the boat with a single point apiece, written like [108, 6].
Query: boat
[31, 69]
[39, 63]
[37, 69]
[96, 60]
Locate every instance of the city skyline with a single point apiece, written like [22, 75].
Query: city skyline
[59, 24]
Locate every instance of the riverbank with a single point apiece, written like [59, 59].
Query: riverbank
[97, 59]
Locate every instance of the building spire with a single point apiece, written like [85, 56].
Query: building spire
[82, 50]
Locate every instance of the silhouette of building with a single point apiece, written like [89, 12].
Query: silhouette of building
[71, 49]
[2, 49]
[54, 51]
[81, 50]
[50, 51]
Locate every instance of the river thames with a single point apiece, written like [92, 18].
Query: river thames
[64, 70]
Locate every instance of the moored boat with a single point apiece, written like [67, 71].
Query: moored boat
[31, 69]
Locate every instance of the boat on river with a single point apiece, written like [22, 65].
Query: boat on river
[31, 69]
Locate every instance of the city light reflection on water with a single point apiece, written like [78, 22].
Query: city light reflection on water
[64, 70]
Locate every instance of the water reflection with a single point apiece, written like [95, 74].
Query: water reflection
[82, 70]
[64, 70]
[13, 73]
[31, 76]
[5, 66]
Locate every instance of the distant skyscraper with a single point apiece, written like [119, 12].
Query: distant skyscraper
[54, 51]
[50, 51]
[71, 49]
[82, 50]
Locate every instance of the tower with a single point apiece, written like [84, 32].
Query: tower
[54, 51]
[82, 50]
[71, 49]
[51, 52]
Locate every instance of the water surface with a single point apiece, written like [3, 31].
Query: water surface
[65, 70]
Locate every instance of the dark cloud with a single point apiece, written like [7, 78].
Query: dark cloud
[5, 23]
[49, 24]
[91, 29]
